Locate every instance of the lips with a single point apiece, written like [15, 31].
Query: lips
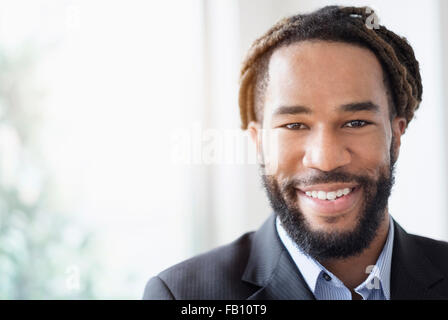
[340, 205]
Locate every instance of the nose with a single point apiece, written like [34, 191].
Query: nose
[326, 151]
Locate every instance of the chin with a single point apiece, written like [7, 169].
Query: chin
[345, 222]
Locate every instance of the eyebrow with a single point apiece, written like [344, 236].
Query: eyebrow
[350, 107]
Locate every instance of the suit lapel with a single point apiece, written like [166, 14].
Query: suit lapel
[271, 268]
[412, 274]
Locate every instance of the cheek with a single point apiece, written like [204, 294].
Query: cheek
[281, 153]
[290, 154]
[370, 157]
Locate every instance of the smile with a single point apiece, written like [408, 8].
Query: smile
[331, 196]
[332, 202]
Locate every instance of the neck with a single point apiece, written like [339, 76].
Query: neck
[352, 271]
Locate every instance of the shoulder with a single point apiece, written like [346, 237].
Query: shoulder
[215, 274]
[227, 258]
[435, 250]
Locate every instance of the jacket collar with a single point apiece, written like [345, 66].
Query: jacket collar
[413, 276]
[271, 268]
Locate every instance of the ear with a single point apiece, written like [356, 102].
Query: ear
[398, 129]
[254, 129]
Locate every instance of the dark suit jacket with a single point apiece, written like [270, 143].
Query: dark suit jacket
[258, 266]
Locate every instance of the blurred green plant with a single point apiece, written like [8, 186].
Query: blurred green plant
[44, 253]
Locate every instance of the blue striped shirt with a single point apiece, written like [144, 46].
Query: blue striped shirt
[326, 286]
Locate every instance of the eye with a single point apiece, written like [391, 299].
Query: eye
[293, 126]
[358, 123]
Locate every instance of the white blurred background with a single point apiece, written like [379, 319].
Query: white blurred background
[102, 106]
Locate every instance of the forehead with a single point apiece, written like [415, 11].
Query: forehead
[324, 74]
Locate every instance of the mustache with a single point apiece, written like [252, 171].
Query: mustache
[324, 177]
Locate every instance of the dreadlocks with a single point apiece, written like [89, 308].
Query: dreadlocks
[333, 23]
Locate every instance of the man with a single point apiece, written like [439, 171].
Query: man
[326, 98]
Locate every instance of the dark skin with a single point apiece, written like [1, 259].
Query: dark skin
[324, 76]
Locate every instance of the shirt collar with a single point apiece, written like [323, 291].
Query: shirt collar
[311, 268]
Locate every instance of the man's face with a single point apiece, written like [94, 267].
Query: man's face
[326, 110]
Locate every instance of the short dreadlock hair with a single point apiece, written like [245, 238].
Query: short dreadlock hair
[337, 24]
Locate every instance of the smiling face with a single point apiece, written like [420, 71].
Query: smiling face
[326, 108]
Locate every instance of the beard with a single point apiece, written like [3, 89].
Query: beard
[324, 245]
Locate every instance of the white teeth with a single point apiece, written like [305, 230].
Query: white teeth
[322, 195]
[332, 195]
